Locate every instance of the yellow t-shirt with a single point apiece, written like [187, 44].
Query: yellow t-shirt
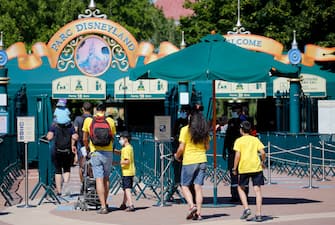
[193, 153]
[86, 128]
[249, 146]
[127, 152]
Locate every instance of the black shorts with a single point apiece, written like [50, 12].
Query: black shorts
[257, 179]
[63, 162]
[127, 182]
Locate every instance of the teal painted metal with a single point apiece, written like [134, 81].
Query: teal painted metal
[295, 88]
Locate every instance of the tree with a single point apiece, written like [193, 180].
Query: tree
[32, 21]
[313, 20]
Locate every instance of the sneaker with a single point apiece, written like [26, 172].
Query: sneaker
[196, 216]
[130, 209]
[259, 218]
[246, 213]
[123, 207]
[103, 211]
[191, 213]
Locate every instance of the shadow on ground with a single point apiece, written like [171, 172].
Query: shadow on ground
[266, 201]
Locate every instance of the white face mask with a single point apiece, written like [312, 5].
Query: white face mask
[121, 141]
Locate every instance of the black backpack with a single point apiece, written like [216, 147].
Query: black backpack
[63, 137]
[100, 131]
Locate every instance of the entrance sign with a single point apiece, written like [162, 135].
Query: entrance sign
[162, 128]
[124, 88]
[25, 129]
[256, 43]
[326, 111]
[226, 89]
[88, 26]
[79, 87]
[312, 85]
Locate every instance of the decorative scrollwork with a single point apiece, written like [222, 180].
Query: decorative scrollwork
[119, 57]
[92, 13]
[66, 58]
[239, 30]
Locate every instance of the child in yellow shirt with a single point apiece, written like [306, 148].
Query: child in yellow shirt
[128, 170]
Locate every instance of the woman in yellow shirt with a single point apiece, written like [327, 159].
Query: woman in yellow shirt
[193, 144]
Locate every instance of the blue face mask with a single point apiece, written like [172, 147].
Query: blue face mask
[234, 115]
[183, 115]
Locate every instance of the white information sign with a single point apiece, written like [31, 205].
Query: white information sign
[79, 87]
[326, 112]
[224, 89]
[3, 124]
[124, 88]
[312, 85]
[3, 99]
[162, 128]
[25, 129]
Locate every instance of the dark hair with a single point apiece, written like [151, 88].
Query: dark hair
[125, 134]
[198, 128]
[87, 106]
[101, 107]
[246, 126]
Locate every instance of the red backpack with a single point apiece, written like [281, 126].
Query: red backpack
[100, 131]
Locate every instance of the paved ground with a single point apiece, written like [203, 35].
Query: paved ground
[284, 203]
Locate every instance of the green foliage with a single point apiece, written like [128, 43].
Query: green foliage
[32, 21]
[312, 19]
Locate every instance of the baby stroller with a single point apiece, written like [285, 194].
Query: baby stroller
[89, 196]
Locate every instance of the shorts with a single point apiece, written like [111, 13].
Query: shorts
[257, 179]
[127, 182]
[63, 161]
[193, 174]
[101, 162]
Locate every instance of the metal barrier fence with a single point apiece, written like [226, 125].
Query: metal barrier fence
[9, 166]
[302, 155]
[318, 163]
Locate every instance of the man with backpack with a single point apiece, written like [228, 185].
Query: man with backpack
[98, 137]
[78, 126]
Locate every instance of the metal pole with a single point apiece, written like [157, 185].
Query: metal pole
[215, 188]
[161, 203]
[323, 162]
[269, 162]
[310, 186]
[161, 148]
[155, 170]
[26, 204]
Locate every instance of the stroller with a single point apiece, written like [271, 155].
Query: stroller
[88, 195]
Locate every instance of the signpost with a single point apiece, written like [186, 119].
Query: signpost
[163, 134]
[26, 134]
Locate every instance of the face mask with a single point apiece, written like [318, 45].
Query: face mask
[234, 115]
[183, 115]
[121, 141]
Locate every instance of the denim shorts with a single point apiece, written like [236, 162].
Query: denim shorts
[101, 162]
[193, 174]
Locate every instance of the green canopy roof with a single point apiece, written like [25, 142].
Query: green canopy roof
[214, 59]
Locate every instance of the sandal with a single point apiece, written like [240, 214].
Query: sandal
[191, 213]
